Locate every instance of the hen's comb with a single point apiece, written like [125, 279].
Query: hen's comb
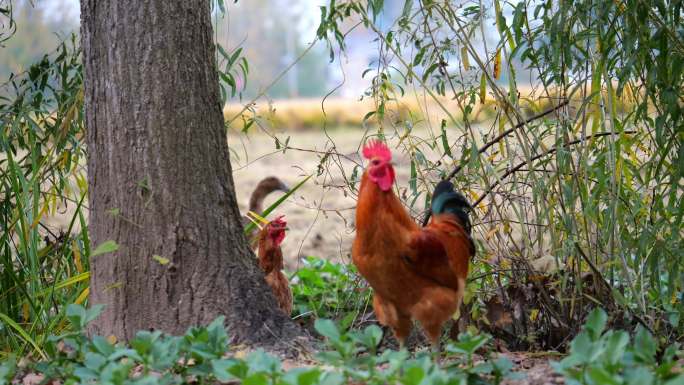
[377, 149]
[279, 221]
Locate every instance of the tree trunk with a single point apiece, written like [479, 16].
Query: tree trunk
[160, 180]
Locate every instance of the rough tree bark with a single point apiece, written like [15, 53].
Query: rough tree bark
[160, 179]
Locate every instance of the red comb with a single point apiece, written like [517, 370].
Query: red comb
[377, 149]
[279, 221]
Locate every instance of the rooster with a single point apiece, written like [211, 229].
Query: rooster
[416, 273]
[271, 262]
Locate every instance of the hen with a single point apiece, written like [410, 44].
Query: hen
[256, 202]
[416, 273]
[271, 262]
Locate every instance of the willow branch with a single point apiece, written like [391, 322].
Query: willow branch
[504, 134]
[498, 138]
[543, 154]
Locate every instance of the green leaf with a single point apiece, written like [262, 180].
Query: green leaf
[596, 323]
[327, 328]
[413, 179]
[309, 377]
[644, 346]
[616, 346]
[76, 314]
[581, 347]
[104, 248]
[94, 361]
[369, 337]
[102, 345]
[413, 376]
[223, 369]
[222, 51]
[406, 10]
[419, 57]
[234, 57]
[600, 375]
[79, 316]
[332, 378]
[639, 376]
[256, 379]
[679, 380]
[8, 367]
[93, 312]
[468, 344]
[445, 140]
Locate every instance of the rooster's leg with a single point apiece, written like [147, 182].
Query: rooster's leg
[433, 329]
[389, 316]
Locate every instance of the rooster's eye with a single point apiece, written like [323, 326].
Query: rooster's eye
[375, 162]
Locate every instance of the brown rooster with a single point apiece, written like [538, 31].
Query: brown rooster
[416, 273]
[271, 262]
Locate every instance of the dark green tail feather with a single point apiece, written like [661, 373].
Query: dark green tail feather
[446, 200]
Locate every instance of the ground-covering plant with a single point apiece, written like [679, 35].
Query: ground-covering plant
[203, 355]
[600, 356]
[324, 289]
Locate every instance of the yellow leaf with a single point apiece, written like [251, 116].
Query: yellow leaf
[162, 261]
[105, 247]
[241, 354]
[83, 296]
[502, 123]
[534, 314]
[483, 88]
[497, 15]
[491, 232]
[456, 315]
[497, 64]
[115, 285]
[464, 58]
[25, 314]
[39, 216]
[596, 102]
[77, 256]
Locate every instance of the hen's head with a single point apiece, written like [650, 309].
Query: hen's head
[380, 170]
[272, 183]
[275, 230]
